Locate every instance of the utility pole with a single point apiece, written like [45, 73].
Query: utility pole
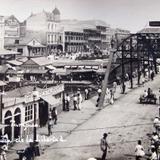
[105, 82]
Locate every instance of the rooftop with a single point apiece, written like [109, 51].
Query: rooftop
[42, 61]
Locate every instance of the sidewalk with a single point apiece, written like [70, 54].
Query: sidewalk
[68, 122]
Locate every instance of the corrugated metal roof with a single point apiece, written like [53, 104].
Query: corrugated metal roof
[15, 62]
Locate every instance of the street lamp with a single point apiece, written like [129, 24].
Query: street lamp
[35, 95]
[35, 146]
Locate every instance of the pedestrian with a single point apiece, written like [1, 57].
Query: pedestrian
[67, 101]
[123, 88]
[154, 155]
[79, 101]
[111, 96]
[54, 115]
[3, 150]
[104, 146]
[29, 153]
[114, 86]
[50, 126]
[75, 101]
[99, 92]
[108, 95]
[156, 124]
[145, 93]
[118, 79]
[126, 77]
[86, 93]
[152, 75]
[139, 150]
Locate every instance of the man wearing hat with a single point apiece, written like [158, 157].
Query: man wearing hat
[104, 145]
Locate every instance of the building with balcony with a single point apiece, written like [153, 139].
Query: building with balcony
[89, 33]
[74, 40]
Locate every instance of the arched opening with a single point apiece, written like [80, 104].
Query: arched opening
[60, 47]
[7, 121]
[17, 119]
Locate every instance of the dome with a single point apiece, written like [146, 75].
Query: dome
[56, 11]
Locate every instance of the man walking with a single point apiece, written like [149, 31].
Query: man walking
[86, 93]
[54, 115]
[67, 101]
[104, 145]
[50, 126]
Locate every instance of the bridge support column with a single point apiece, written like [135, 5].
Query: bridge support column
[131, 64]
[123, 71]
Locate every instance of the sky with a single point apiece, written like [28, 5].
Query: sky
[132, 15]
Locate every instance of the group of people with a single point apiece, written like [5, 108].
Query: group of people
[110, 94]
[154, 148]
[77, 100]
[148, 93]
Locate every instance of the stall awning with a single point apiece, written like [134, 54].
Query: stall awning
[35, 71]
[51, 100]
[51, 67]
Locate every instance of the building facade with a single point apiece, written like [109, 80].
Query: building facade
[18, 109]
[48, 22]
[12, 27]
[74, 41]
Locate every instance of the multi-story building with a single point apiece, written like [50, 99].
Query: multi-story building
[74, 40]
[121, 34]
[90, 34]
[1, 32]
[48, 22]
[12, 27]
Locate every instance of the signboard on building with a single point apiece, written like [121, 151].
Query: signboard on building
[48, 91]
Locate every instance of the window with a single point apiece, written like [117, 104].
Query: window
[55, 38]
[60, 38]
[51, 38]
[28, 112]
[48, 39]
[16, 41]
[20, 50]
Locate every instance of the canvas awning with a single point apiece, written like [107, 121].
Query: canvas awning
[51, 100]
[50, 67]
